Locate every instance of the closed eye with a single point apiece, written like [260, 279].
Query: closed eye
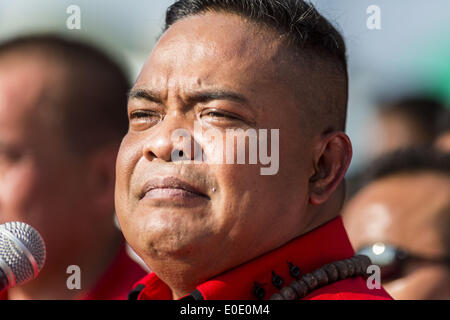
[216, 114]
[139, 114]
[143, 119]
[220, 115]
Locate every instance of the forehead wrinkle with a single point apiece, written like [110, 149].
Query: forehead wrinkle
[198, 28]
[244, 40]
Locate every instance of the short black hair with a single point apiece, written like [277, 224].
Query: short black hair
[426, 111]
[408, 160]
[443, 122]
[93, 110]
[299, 21]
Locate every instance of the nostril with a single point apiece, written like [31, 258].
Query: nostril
[150, 155]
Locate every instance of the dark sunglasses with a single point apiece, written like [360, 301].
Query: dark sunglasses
[392, 260]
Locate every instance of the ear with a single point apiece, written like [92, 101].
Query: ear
[102, 178]
[332, 157]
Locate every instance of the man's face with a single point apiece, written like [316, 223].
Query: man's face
[40, 180]
[235, 213]
[404, 211]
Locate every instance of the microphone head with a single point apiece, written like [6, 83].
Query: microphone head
[22, 252]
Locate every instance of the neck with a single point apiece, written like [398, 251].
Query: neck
[181, 278]
[51, 283]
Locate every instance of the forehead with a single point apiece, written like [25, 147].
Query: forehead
[212, 48]
[397, 209]
[25, 86]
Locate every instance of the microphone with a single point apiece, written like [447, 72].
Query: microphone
[22, 254]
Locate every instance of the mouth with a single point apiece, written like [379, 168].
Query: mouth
[170, 188]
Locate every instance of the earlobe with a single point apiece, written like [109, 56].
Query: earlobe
[331, 163]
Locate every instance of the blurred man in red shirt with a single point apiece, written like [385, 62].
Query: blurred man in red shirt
[61, 122]
[211, 229]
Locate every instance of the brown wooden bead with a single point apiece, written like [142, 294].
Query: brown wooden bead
[332, 272]
[311, 281]
[300, 287]
[321, 277]
[276, 296]
[365, 263]
[358, 267]
[329, 273]
[350, 267]
[288, 293]
[342, 269]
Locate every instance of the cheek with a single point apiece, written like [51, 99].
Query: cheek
[250, 201]
[127, 159]
[17, 191]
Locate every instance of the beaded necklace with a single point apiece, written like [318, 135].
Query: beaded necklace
[327, 274]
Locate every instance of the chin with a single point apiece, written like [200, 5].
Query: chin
[172, 243]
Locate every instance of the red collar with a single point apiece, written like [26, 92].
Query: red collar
[322, 245]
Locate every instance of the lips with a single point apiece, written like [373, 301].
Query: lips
[170, 187]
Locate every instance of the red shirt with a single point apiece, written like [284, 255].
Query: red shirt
[115, 283]
[325, 244]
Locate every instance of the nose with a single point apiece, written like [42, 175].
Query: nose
[171, 141]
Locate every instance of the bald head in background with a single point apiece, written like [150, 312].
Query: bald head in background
[60, 78]
[404, 122]
[406, 204]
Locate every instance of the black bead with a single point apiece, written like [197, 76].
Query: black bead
[277, 281]
[258, 291]
[294, 270]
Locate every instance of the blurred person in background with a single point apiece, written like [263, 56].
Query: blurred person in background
[401, 220]
[405, 122]
[61, 123]
[443, 125]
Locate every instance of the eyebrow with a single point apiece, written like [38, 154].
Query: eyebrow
[145, 94]
[196, 96]
[209, 95]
